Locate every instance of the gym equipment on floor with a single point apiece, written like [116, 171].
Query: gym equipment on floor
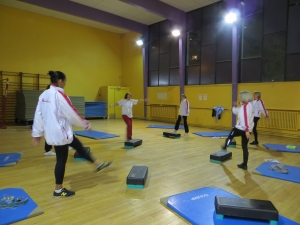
[265, 170]
[16, 205]
[137, 177]
[164, 126]
[10, 159]
[220, 156]
[198, 207]
[94, 134]
[246, 208]
[171, 134]
[132, 143]
[213, 134]
[282, 148]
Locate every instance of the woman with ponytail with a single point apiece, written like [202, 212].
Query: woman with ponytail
[53, 119]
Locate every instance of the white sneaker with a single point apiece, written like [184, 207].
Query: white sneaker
[70, 148]
[186, 134]
[50, 153]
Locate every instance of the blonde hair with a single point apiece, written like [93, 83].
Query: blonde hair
[257, 94]
[245, 96]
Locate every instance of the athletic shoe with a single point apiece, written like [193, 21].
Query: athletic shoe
[63, 193]
[100, 167]
[70, 148]
[103, 166]
[50, 153]
[223, 147]
[242, 166]
[186, 134]
[254, 143]
[174, 131]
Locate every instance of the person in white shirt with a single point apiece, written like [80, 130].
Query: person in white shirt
[258, 109]
[53, 119]
[243, 126]
[184, 111]
[127, 104]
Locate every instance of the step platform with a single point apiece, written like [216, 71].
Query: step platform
[132, 143]
[171, 135]
[221, 156]
[246, 208]
[78, 157]
[137, 176]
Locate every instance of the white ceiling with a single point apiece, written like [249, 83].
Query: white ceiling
[115, 7]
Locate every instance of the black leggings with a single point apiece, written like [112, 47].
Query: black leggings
[234, 133]
[186, 127]
[255, 120]
[62, 152]
[47, 147]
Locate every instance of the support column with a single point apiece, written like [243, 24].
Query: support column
[235, 55]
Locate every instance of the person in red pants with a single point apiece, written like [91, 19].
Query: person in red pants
[127, 104]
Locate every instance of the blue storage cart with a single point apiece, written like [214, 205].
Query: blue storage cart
[95, 109]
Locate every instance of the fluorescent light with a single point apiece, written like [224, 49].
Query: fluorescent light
[139, 42]
[176, 33]
[230, 17]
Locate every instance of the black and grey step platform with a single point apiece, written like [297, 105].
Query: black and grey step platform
[246, 208]
[137, 177]
[129, 144]
[221, 156]
[171, 135]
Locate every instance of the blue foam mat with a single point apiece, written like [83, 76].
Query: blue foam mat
[281, 148]
[198, 207]
[293, 174]
[9, 159]
[164, 126]
[213, 134]
[12, 215]
[94, 134]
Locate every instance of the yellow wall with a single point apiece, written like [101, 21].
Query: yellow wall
[132, 70]
[201, 110]
[172, 93]
[279, 95]
[35, 43]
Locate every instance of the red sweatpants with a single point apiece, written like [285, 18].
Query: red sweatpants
[128, 122]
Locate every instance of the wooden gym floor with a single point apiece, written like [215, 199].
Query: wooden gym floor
[175, 166]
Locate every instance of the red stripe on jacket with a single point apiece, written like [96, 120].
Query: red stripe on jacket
[263, 107]
[187, 106]
[246, 117]
[70, 104]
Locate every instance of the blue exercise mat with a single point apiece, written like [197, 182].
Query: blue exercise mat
[213, 134]
[9, 159]
[17, 213]
[94, 134]
[198, 207]
[281, 148]
[163, 126]
[293, 174]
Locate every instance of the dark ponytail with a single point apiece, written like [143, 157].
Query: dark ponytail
[56, 75]
[125, 97]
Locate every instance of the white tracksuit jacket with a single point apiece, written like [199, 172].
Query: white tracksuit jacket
[54, 117]
[259, 108]
[245, 117]
[184, 109]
